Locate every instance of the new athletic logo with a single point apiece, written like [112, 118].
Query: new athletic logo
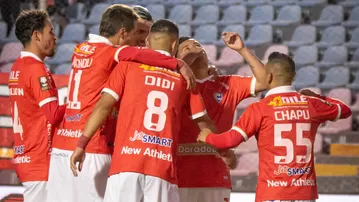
[69, 133]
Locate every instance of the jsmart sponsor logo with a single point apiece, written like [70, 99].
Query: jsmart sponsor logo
[69, 133]
[151, 139]
[292, 171]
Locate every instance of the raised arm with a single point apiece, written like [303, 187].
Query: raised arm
[234, 41]
[154, 58]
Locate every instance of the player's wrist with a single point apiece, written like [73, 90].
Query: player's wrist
[83, 142]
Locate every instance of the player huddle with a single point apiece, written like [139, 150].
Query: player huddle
[138, 123]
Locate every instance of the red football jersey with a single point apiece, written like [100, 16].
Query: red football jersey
[31, 86]
[153, 101]
[199, 164]
[285, 124]
[92, 63]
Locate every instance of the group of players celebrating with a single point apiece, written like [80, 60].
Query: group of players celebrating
[154, 123]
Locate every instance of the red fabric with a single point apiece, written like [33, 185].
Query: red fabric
[54, 112]
[31, 86]
[199, 164]
[285, 125]
[153, 102]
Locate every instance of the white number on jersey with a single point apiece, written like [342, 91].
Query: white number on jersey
[285, 142]
[158, 111]
[72, 101]
[17, 127]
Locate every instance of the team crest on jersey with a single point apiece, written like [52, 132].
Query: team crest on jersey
[44, 84]
[218, 97]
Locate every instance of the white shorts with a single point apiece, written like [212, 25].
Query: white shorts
[204, 194]
[136, 187]
[35, 191]
[90, 185]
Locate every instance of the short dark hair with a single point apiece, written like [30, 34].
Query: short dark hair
[142, 12]
[280, 58]
[165, 26]
[183, 39]
[27, 22]
[116, 17]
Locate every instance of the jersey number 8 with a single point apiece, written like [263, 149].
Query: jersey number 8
[154, 111]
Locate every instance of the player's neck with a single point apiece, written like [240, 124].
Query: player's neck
[35, 51]
[201, 72]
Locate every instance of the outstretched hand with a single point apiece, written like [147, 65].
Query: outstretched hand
[233, 40]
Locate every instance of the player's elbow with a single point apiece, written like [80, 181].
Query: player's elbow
[346, 112]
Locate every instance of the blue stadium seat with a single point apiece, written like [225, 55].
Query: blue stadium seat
[206, 34]
[181, 13]
[185, 30]
[259, 35]
[335, 77]
[306, 55]
[73, 33]
[206, 14]
[349, 3]
[233, 14]
[95, 29]
[353, 20]
[176, 2]
[303, 35]
[330, 15]
[261, 15]
[3, 29]
[306, 76]
[96, 14]
[6, 68]
[288, 15]
[12, 36]
[255, 2]
[354, 62]
[63, 54]
[354, 40]
[203, 2]
[226, 3]
[232, 28]
[10, 52]
[334, 56]
[150, 2]
[355, 84]
[332, 36]
[280, 3]
[311, 3]
[157, 11]
[80, 13]
[63, 69]
[128, 2]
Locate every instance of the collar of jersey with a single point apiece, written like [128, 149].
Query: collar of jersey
[204, 79]
[164, 52]
[94, 38]
[29, 54]
[281, 89]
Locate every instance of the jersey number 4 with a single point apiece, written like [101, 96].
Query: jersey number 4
[16, 125]
[155, 116]
[288, 143]
[73, 100]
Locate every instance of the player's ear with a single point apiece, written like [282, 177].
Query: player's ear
[121, 34]
[147, 42]
[174, 46]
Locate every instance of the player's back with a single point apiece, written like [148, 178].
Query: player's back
[92, 64]
[152, 104]
[30, 83]
[285, 144]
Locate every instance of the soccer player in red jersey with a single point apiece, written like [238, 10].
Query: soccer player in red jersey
[144, 24]
[34, 103]
[152, 102]
[203, 176]
[284, 123]
[92, 63]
